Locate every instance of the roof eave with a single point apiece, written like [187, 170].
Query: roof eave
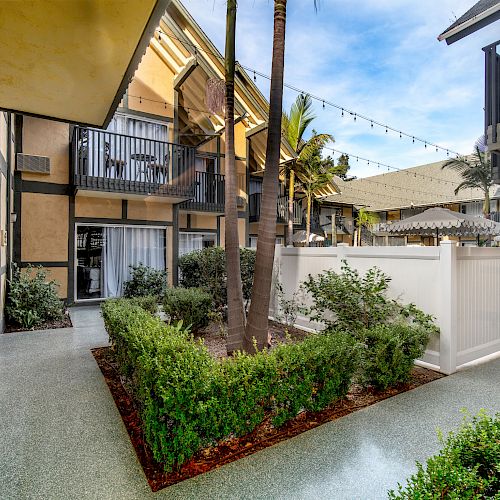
[471, 25]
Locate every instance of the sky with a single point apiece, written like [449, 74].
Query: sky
[379, 58]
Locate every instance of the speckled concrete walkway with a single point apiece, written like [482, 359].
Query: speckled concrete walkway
[62, 437]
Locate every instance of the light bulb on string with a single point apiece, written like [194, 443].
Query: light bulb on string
[323, 104]
[371, 124]
[254, 76]
[342, 111]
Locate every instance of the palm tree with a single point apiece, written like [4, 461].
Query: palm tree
[476, 173]
[315, 174]
[365, 219]
[261, 290]
[294, 125]
[235, 308]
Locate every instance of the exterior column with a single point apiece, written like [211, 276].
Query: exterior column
[448, 309]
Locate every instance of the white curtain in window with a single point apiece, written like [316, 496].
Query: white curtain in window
[189, 242]
[113, 253]
[125, 247]
[144, 246]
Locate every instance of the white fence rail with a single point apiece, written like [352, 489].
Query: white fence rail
[459, 286]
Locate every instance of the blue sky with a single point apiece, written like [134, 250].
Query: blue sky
[380, 58]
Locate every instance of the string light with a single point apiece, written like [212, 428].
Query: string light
[390, 167]
[317, 98]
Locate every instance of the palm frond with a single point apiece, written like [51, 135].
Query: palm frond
[300, 117]
[308, 149]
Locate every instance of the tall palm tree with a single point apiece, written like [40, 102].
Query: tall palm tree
[315, 174]
[476, 173]
[235, 308]
[365, 219]
[257, 322]
[294, 125]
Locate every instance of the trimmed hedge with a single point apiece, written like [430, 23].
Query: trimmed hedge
[189, 305]
[390, 353]
[187, 400]
[468, 466]
[149, 303]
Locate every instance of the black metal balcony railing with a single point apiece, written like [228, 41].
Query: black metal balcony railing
[254, 202]
[107, 161]
[208, 193]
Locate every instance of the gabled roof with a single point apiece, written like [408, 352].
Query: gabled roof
[478, 16]
[422, 186]
[187, 43]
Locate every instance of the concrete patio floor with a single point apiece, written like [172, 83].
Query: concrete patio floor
[61, 435]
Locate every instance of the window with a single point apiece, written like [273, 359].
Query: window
[188, 242]
[105, 253]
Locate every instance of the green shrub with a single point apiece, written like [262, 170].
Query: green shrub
[350, 302]
[188, 400]
[207, 269]
[148, 302]
[468, 466]
[192, 306]
[32, 299]
[390, 353]
[145, 281]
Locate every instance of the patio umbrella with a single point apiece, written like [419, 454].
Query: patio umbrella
[443, 222]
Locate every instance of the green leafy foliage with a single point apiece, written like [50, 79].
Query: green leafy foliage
[148, 302]
[350, 302]
[145, 281]
[468, 466]
[188, 400]
[32, 299]
[207, 269]
[390, 353]
[192, 306]
[393, 334]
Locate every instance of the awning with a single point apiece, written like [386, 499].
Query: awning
[442, 222]
[72, 61]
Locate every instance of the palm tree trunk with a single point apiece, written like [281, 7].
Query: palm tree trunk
[308, 219]
[257, 325]
[291, 194]
[487, 203]
[235, 309]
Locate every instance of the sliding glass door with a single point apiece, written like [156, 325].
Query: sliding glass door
[105, 255]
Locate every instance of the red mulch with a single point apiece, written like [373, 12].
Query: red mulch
[263, 436]
[65, 322]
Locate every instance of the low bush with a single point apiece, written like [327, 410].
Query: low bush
[390, 353]
[145, 281]
[188, 400]
[207, 269]
[32, 298]
[468, 466]
[350, 302]
[148, 302]
[192, 306]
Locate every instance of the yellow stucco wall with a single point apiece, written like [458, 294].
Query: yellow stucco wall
[199, 221]
[153, 80]
[393, 215]
[144, 210]
[44, 227]
[98, 207]
[60, 276]
[47, 138]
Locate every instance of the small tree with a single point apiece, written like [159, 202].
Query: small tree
[365, 219]
[475, 171]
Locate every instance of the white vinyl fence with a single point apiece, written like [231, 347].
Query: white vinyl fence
[459, 286]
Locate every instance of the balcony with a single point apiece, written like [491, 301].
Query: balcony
[118, 163]
[208, 193]
[254, 202]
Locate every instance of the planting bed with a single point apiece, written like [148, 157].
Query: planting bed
[65, 322]
[263, 436]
